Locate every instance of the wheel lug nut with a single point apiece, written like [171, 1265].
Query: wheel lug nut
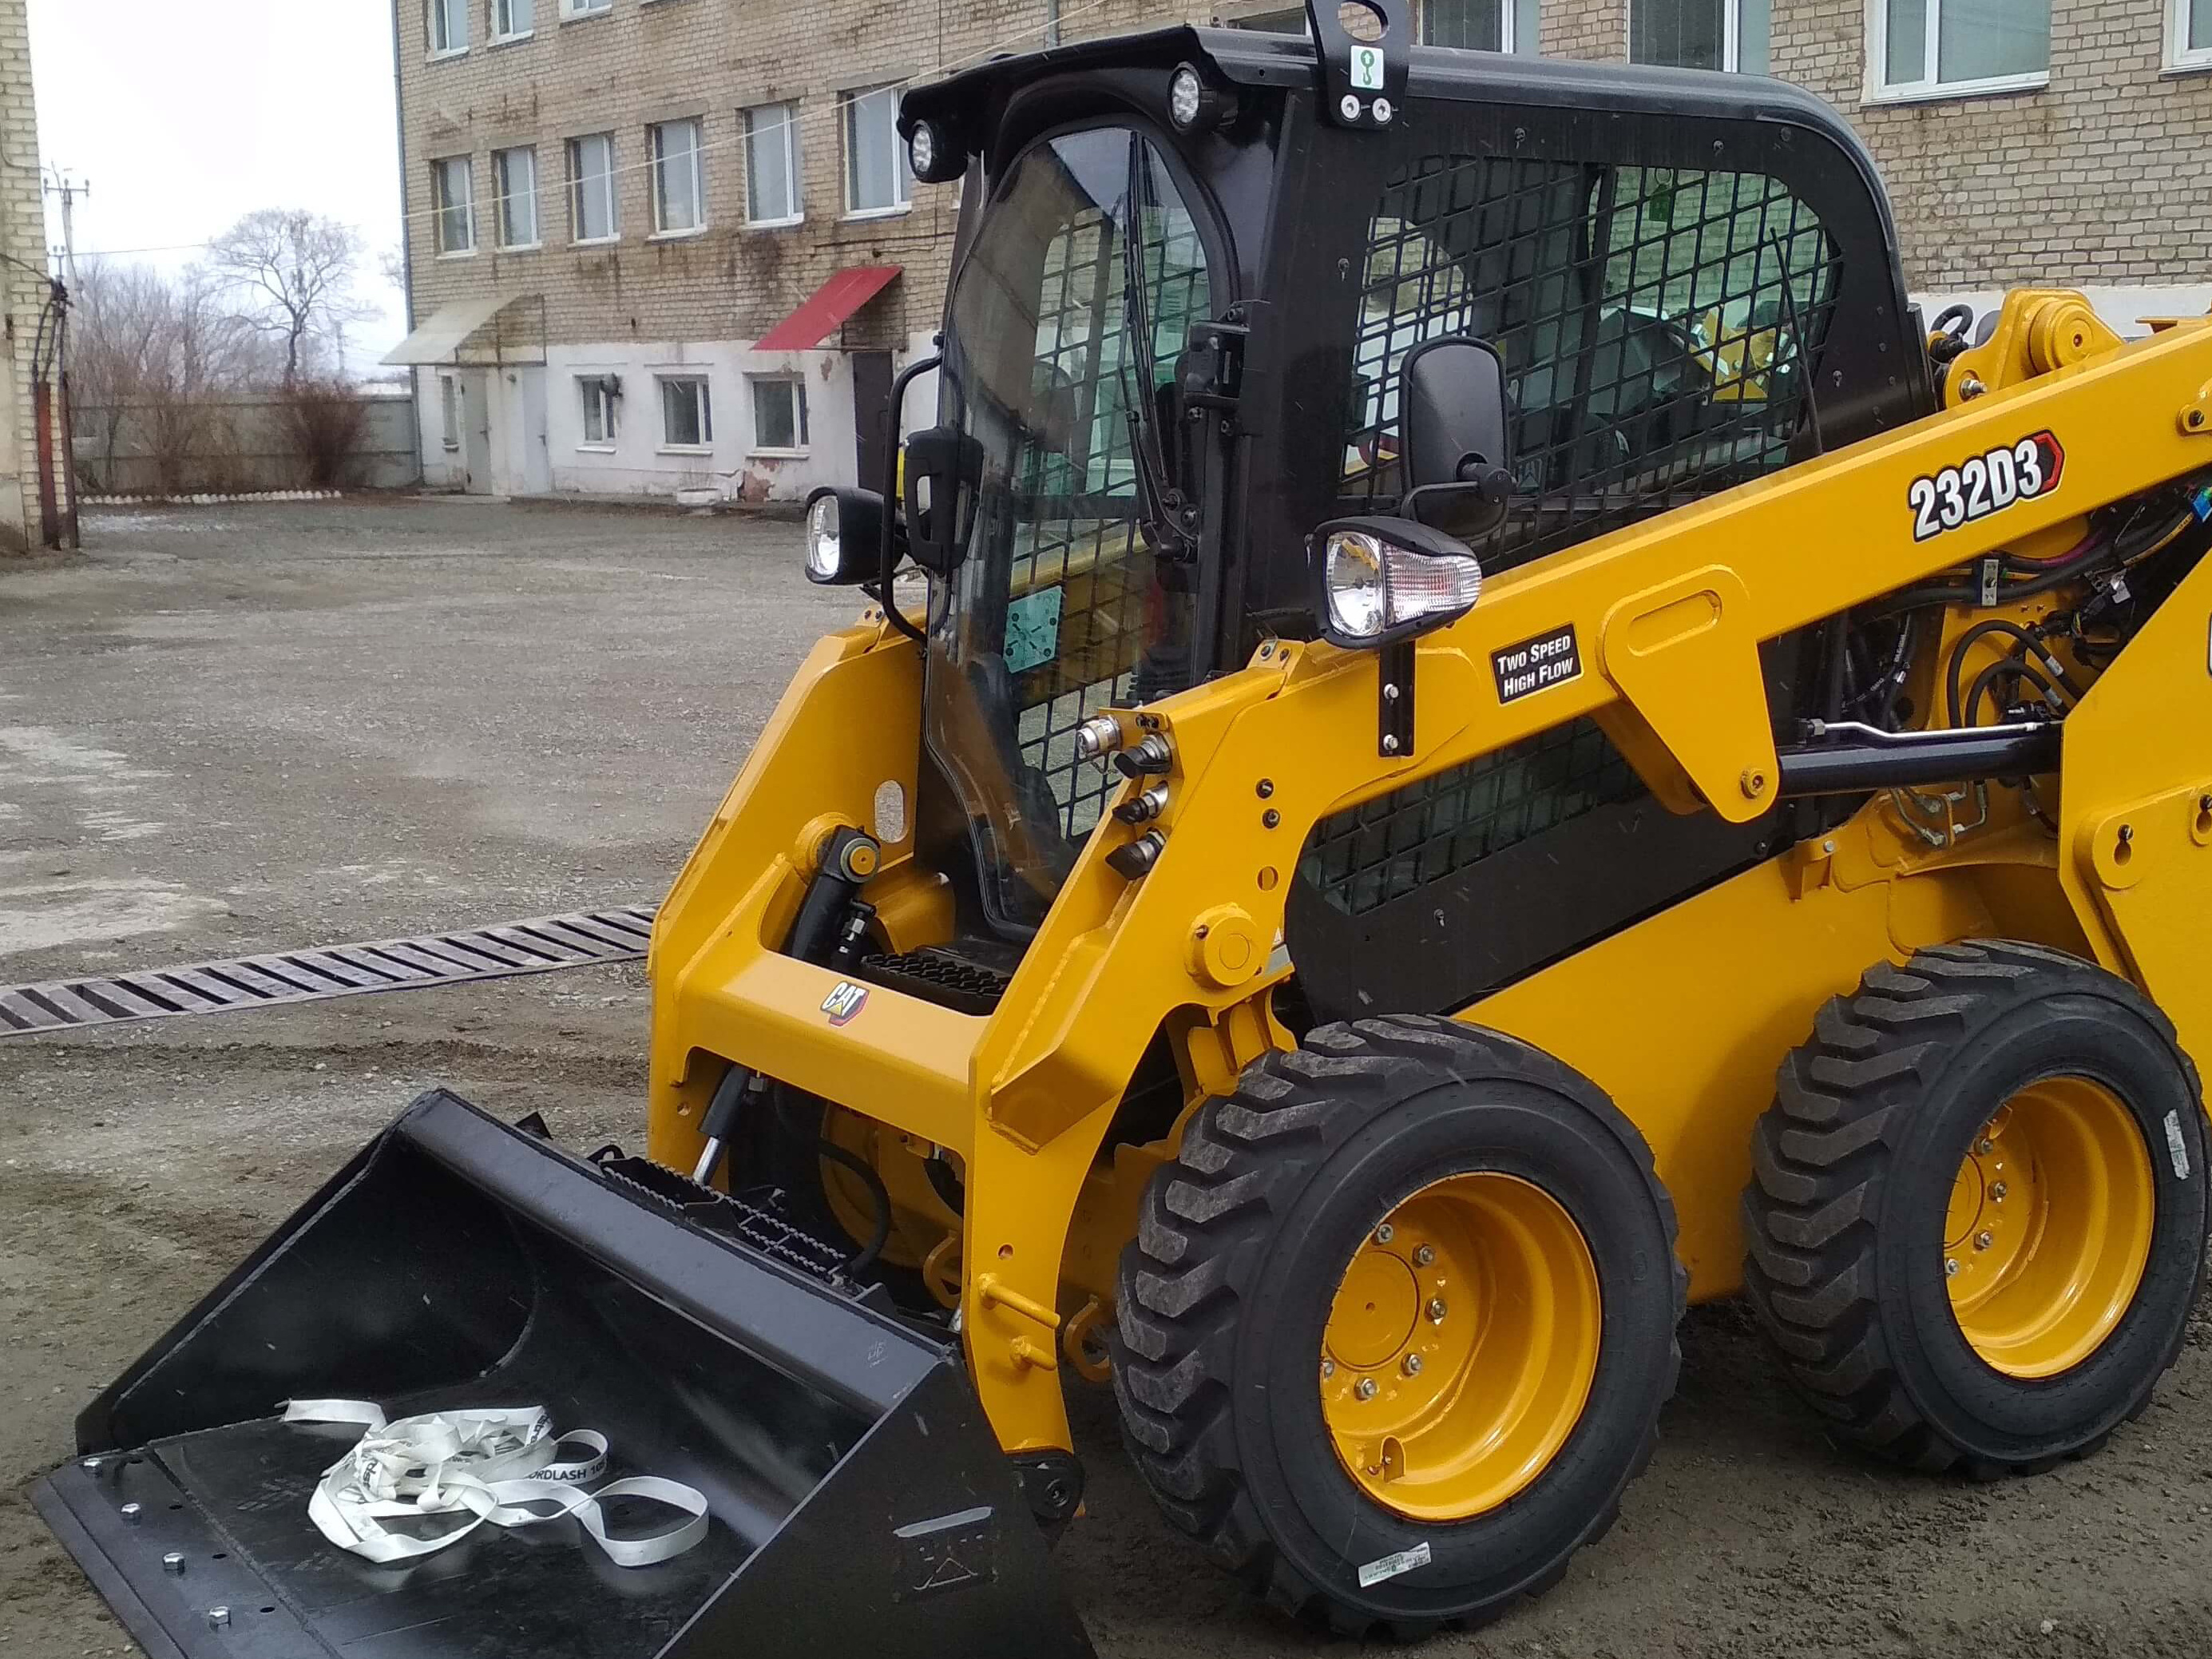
[1364, 1388]
[1385, 1233]
[1982, 1241]
[1412, 1364]
[1997, 1192]
[1437, 1310]
[1950, 1266]
[1425, 1256]
[1985, 1147]
[1328, 1368]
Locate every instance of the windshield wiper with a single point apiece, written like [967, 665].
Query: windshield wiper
[1163, 516]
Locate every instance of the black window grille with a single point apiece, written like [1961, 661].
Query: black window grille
[1090, 624]
[1659, 328]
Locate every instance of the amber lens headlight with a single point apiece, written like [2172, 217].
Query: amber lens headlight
[1383, 579]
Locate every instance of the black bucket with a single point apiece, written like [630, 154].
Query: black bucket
[859, 1502]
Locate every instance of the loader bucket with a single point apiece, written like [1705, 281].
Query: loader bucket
[859, 1502]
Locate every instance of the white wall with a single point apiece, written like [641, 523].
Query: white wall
[639, 463]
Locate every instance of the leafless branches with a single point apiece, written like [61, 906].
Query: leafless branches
[289, 276]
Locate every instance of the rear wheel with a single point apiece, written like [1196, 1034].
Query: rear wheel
[1398, 1323]
[1977, 1223]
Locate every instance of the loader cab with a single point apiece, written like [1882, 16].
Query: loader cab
[1181, 303]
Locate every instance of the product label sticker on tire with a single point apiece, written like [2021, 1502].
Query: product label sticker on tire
[2176, 1149]
[1552, 658]
[1985, 484]
[1389, 1566]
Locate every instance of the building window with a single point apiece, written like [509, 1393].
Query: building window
[779, 413]
[2192, 34]
[1932, 48]
[585, 8]
[453, 192]
[772, 165]
[1712, 34]
[687, 412]
[876, 176]
[449, 393]
[514, 176]
[1481, 25]
[449, 27]
[679, 179]
[592, 216]
[512, 20]
[599, 393]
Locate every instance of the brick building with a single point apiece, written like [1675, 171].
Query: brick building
[24, 291]
[656, 244]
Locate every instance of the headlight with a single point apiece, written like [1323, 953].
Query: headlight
[921, 149]
[1384, 579]
[932, 155]
[823, 545]
[1193, 105]
[844, 536]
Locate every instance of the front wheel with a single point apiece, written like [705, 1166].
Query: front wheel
[1398, 1323]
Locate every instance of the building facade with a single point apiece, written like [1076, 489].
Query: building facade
[25, 294]
[667, 245]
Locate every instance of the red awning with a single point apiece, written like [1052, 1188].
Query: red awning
[828, 308]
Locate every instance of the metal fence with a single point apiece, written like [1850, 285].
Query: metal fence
[234, 445]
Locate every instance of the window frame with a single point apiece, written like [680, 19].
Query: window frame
[1731, 36]
[903, 181]
[702, 405]
[452, 406]
[1509, 28]
[497, 36]
[792, 181]
[1880, 90]
[575, 10]
[501, 197]
[658, 158]
[800, 427]
[572, 150]
[598, 390]
[2181, 57]
[436, 12]
[442, 204]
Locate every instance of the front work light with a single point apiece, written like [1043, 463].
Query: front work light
[1384, 580]
[932, 155]
[1193, 105]
[844, 536]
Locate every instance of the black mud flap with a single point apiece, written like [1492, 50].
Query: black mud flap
[860, 1502]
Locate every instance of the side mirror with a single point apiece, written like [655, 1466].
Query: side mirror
[1456, 425]
[844, 536]
[944, 468]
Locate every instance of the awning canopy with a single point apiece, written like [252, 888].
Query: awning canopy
[828, 308]
[450, 335]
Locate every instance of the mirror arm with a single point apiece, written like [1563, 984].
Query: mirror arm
[889, 549]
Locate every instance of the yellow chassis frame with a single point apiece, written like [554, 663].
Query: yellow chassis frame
[1682, 1017]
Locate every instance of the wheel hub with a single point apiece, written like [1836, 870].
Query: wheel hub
[2048, 1228]
[1461, 1346]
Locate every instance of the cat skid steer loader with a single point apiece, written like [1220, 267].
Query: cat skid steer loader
[1435, 807]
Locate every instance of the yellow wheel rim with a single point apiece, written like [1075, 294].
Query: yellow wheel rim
[2049, 1227]
[1461, 1346]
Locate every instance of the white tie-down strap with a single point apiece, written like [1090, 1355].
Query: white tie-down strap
[504, 1465]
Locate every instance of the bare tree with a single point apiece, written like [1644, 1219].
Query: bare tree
[292, 274]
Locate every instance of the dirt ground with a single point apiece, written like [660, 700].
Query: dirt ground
[233, 729]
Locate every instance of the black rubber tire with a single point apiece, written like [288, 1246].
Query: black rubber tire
[1240, 1244]
[1852, 1172]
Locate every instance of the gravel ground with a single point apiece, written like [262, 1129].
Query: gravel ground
[233, 729]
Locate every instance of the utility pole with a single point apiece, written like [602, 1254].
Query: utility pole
[69, 188]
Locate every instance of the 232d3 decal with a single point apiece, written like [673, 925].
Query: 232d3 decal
[1983, 484]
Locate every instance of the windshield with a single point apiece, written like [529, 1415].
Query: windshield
[1066, 320]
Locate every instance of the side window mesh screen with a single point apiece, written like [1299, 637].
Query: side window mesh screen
[1659, 328]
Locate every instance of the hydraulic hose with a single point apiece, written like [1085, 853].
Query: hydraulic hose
[879, 1199]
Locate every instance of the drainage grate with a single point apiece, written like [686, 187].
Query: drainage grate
[583, 938]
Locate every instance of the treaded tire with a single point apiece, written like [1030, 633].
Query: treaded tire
[1852, 1165]
[1240, 1244]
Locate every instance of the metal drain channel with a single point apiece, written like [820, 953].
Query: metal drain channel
[582, 939]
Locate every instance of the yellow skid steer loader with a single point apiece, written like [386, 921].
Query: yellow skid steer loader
[1429, 815]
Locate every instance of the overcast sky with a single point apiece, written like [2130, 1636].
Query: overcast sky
[185, 118]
